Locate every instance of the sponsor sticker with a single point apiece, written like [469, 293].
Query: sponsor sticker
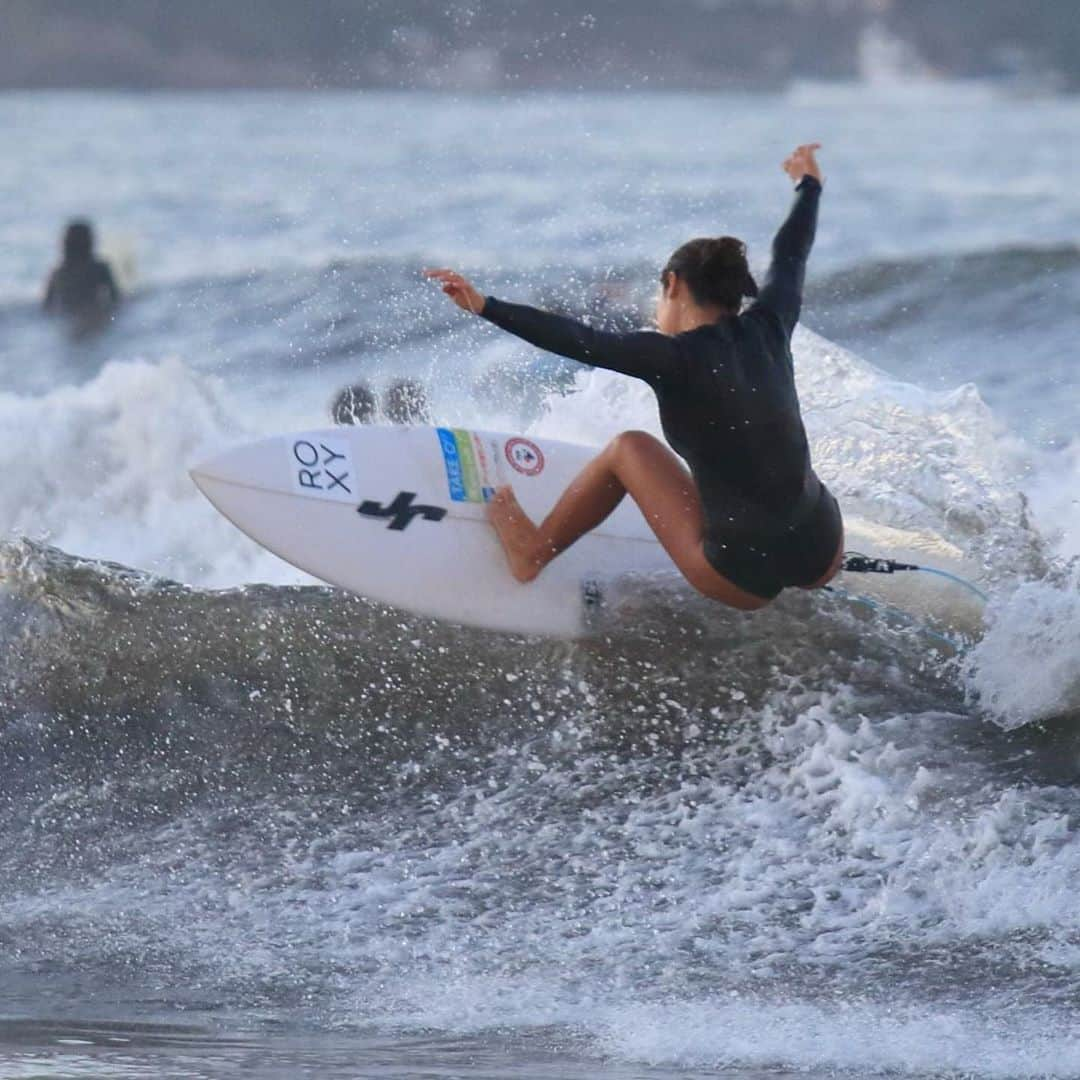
[525, 456]
[320, 466]
[485, 468]
[468, 465]
[471, 468]
[452, 459]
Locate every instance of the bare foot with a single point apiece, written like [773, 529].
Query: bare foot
[517, 534]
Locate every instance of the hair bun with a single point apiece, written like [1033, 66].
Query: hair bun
[716, 270]
[725, 253]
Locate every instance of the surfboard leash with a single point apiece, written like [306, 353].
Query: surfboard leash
[857, 563]
[956, 644]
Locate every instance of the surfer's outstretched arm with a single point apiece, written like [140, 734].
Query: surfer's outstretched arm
[645, 354]
[783, 287]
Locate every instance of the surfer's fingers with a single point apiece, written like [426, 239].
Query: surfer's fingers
[458, 288]
[455, 282]
[446, 276]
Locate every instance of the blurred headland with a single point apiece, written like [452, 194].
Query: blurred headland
[506, 45]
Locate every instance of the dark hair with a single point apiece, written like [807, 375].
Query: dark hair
[354, 405]
[78, 241]
[715, 271]
[405, 402]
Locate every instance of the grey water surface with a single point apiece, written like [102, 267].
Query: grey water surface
[253, 826]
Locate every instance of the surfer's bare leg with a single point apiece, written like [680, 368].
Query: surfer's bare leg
[594, 493]
[633, 463]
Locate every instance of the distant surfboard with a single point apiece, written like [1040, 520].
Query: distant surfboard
[397, 514]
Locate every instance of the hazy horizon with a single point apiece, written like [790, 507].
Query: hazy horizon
[496, 45]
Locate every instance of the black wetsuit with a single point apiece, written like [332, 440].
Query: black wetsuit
[82, 287]
[728, 406]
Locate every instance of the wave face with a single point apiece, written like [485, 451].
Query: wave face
[940, 321]
[110, 481]
[819, 840]
[422, 826]
[289, 798]
[951, 319]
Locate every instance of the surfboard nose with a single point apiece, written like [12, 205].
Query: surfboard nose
[247, 465]
[210, 469]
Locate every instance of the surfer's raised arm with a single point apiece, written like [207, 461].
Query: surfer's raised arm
[782, 291]
[644, 354]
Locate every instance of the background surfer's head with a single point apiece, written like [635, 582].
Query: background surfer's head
[78, 241]
[406, 402]
[354, 405]
[709, 272]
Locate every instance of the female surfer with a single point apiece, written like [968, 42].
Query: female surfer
[751, 517]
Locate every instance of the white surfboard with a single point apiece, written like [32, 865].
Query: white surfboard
[397, 514]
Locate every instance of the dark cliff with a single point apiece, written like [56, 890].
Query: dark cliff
[508, 44]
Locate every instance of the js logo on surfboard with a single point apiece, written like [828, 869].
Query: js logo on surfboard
[401, 511]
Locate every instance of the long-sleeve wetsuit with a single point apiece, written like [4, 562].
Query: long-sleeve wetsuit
[81, 287]
[728, 406]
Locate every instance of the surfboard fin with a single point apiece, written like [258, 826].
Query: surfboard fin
[592, 595]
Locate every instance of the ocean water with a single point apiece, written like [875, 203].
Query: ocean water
[253, 826]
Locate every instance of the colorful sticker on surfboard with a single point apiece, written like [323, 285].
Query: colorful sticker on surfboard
[472, 471]
[525, 456]
[320, 467]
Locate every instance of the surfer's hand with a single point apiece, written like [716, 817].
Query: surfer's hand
[459, 289]
[803, 163]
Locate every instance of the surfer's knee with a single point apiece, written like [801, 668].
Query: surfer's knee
[632, 444]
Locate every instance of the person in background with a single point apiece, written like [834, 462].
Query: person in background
[405, 402]
[82, 286]
[355, 404]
